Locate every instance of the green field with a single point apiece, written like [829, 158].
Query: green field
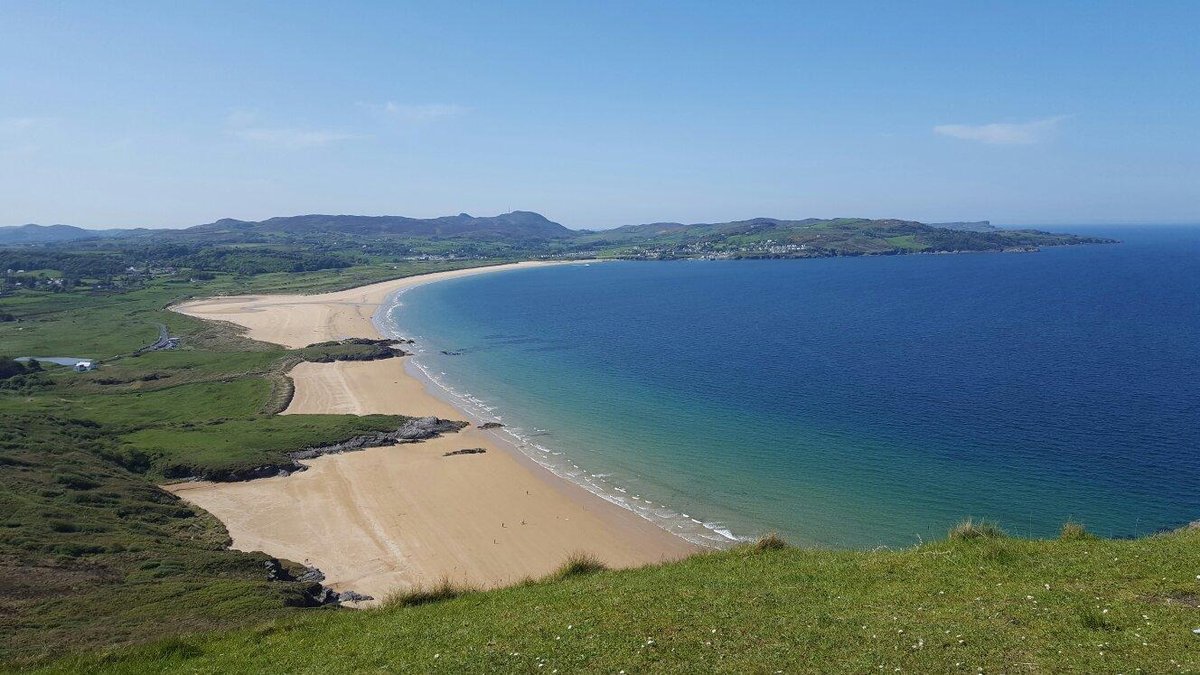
[102, 571]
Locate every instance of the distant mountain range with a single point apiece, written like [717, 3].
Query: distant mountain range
[516, 225]
[48, 234]
[525, 232]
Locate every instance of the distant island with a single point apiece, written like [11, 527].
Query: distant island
[318, 242]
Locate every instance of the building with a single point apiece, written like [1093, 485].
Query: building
[84, 366]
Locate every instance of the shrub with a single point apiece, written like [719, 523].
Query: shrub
[970, 529]
[1072, 531]
[770, 542]
[579, 564]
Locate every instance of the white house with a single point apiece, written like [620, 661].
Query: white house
[84, 366]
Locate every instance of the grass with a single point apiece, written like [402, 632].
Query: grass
[421, 595]
[578, 564]
[970, 529]
[219, 447]
[1072, 531]
[1080, 606]
[770, 542]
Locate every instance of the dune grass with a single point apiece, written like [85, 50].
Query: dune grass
[1072, 531]
[578, 564]
[770, 542]
[972, 529]
[443, 590]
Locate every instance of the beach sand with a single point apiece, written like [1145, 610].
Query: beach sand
[396, 517]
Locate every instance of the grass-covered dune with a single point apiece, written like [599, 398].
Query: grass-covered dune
[960, 605]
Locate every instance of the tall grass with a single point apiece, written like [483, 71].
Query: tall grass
[971, 529]
[770, 542]
[445, 589]
[1072, 531]
[578, 564]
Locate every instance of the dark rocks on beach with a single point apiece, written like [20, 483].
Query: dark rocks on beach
[412, 431]
[235, 475]
[276, 571]
[427, 427]
[314, 594]
[490, 425]
[351, 596]
[465, 451]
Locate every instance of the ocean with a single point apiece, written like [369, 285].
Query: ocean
[846, 402]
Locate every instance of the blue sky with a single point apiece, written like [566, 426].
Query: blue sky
[600, 114]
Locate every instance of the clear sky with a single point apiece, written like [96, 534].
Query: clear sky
[600, 114]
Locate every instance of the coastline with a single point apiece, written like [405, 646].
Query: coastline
[406, 516]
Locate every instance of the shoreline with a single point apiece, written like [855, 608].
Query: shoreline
[406, 516]
[710, 536]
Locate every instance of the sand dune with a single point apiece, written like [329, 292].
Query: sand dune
[394, 517]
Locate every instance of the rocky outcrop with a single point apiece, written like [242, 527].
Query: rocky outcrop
[315, 594]
[465, 451]
[490, 425]
[412, 431]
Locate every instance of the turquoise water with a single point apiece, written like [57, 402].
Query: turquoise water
[847, 402]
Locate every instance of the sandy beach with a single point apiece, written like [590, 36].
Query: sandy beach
[394, 517]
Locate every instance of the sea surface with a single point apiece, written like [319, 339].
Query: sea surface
[853, 402]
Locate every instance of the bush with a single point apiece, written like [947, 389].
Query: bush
[770, 542]
[970, 529]
[1072, 531]
[578, 564]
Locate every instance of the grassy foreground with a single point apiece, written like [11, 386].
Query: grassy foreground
[987, 603]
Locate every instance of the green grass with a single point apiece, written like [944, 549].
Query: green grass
[221, 446]
[952, 606]
[972, 529]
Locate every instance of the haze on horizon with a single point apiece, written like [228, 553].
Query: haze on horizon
[152, 115]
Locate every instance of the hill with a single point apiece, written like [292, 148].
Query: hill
[50, 234]
[316, 242]
[974, 226]
[813, 237]
[516, 224]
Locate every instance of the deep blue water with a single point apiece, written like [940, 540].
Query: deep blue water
[849, 402]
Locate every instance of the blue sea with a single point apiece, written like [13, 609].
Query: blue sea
[852, 402]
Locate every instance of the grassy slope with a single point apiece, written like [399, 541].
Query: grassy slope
[91, 553]
[992, 604]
